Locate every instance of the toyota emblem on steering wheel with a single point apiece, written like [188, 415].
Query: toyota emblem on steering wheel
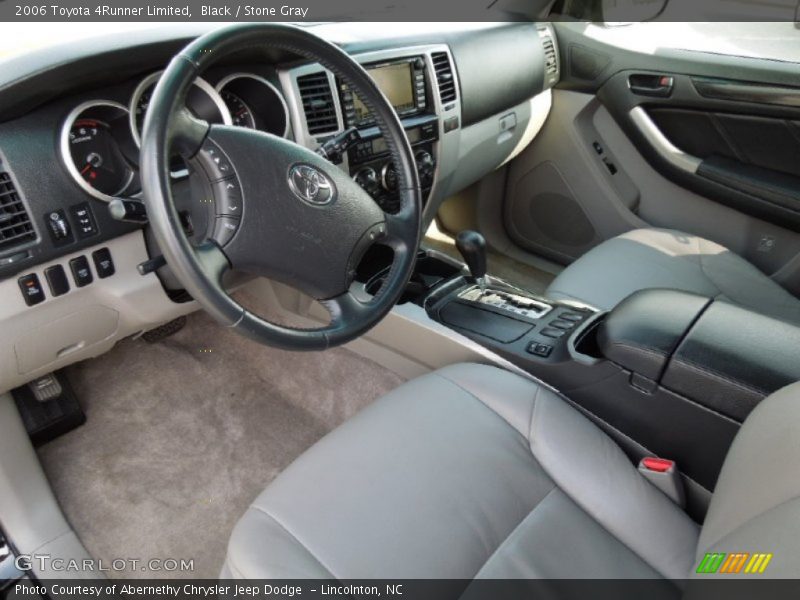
[311, 185]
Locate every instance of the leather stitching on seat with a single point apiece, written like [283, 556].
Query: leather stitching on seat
[294, 537]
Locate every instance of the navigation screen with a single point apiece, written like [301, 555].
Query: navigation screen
[395, 83]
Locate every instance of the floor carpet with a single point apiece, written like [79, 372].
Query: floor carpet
[184, 433]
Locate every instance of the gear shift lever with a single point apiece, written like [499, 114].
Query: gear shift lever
[472, 246]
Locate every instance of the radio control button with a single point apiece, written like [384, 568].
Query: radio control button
[214, 162]
[224, 229]
[228, 197]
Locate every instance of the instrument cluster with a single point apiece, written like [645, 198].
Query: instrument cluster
[100, 139]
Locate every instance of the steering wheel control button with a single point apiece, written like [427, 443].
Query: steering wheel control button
[84, 219]
[81, 272]
[59, 228]
[32, 290]
[228, 196]
[214, 162]
[57, 280]
[224, 229]
[103, 263]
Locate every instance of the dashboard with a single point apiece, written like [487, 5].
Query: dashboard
[74, 279]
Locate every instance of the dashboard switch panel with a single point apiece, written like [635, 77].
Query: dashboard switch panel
[103, 263]
[32, 290]
[57, 280]
[81, 272]
[84, 219]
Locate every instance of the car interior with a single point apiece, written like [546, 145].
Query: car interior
[420, 301]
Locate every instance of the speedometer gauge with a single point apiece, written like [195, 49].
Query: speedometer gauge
[241, 114]
[94, 139]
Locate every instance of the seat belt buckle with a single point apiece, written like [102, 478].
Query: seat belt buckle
[663, 473]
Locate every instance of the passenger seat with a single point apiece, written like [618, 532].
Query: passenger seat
[664, 258]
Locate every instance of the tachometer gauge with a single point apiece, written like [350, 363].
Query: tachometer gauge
[91, 141]
[203, 101]
[241, 115]
[97, 156]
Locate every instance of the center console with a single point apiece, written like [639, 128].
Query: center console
[665, 373]
[404, 82]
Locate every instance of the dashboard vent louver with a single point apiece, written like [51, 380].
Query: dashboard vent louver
[315, 91]
[15, 223]
[444, 76]
[550, 55]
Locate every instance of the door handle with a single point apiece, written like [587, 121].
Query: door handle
[647, 84]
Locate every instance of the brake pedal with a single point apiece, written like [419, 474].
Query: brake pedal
[164, 331]
[49, 407]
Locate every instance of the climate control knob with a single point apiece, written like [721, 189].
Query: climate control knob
[389, 177]
[425, 166]
[367, 178]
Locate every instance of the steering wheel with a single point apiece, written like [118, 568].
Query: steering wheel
[282, 211]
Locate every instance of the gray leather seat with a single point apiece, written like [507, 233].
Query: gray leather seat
[472, 471]
[663, 258]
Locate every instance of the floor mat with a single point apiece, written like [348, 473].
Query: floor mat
[183, 434]
[524, 276]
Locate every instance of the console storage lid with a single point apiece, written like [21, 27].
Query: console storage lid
[643, 331]
[732, 358]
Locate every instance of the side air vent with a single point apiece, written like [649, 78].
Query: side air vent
[550, 55]
[315, 91]
[444, 76]
[15, 224]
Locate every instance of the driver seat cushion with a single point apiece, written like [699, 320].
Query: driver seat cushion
[664, 258]
[469, 471]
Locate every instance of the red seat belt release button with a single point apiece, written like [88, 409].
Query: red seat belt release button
[663, 473]
[659, 465]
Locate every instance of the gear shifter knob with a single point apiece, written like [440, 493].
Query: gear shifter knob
[472, 246]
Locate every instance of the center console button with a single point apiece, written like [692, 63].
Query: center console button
[32, 290]
[81, 272]
[228, 196]
[57, 280]
[82, 213]
[103, 263]
[573, 317]
[538, 349]
[58, 226]
[562, 324]
[224, 229]
[552, 333]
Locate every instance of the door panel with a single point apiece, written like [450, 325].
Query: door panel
[706, 143]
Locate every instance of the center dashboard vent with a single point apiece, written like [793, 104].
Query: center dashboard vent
[315, 91]
[444, 76]
[15, 223]
[550, 54]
